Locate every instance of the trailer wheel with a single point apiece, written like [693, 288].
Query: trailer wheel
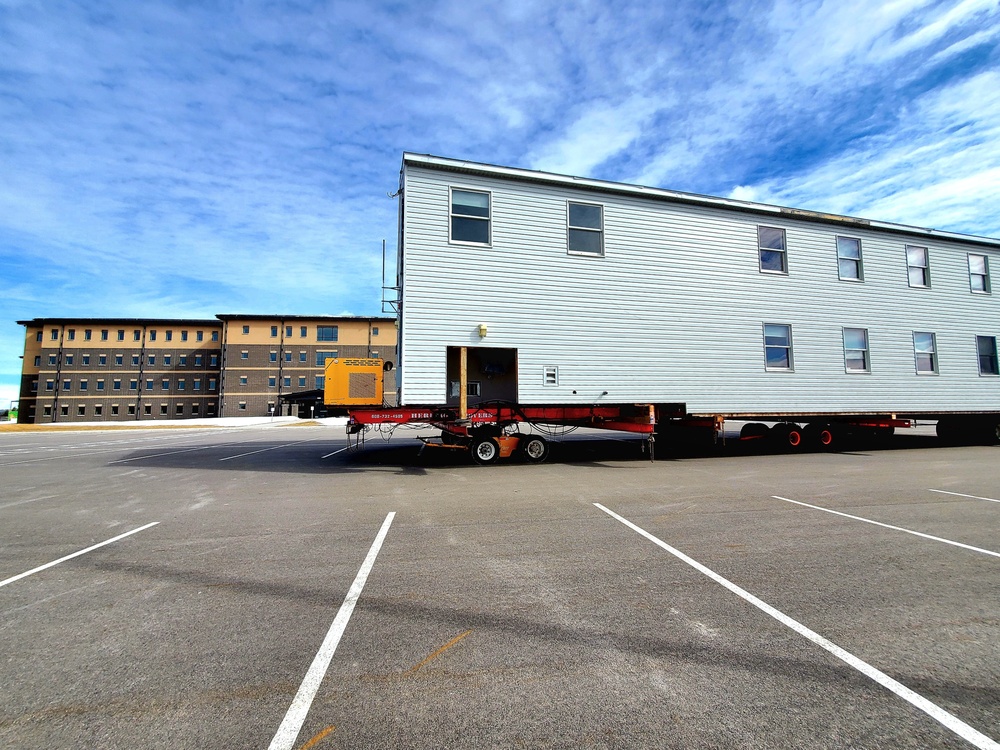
[787, 436]
[535, 449]
[821, 436]
[485, 451]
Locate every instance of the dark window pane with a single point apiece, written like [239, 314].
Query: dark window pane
[583, 241]
[581, 215]
[771, 238]
[771, 260]
[470, 204]
[856, 361]
[777, 357]
[470, 230]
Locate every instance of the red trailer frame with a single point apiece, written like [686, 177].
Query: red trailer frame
[485, 431]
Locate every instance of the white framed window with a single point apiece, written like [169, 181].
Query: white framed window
[925, 352]
[918, 266]
[979, 273]
[243, 379]
[856, 350]
[849, 265]
[986, 346]
[778, 347]
[585, 228]
[85, 359]
[772, 250]
[272, 381]
[550, 375]
[469, 216]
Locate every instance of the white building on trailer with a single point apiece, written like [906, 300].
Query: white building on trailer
[576, 291]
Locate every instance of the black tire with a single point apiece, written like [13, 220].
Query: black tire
[787, 436]
[534, 449]
[754, 431]
[485, 451]
[820, 436]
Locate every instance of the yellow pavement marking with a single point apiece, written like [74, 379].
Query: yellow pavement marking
[317, 738]
[440, 651]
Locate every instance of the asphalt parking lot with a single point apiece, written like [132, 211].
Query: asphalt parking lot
[839, 600]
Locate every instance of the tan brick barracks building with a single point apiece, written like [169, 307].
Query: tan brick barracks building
[126, 369]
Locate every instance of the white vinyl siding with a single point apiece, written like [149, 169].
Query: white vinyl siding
[673, 312]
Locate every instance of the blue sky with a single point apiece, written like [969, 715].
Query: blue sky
[149, 148]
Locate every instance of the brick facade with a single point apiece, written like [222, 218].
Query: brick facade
[122, 369]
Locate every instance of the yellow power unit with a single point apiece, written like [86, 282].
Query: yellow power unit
[353, 381]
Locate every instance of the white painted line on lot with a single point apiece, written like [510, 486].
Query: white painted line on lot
[264, 450]
[284, 739]
[158, 455]
[56, 458]
[937, 713]
[336, 452]
[894, 528]
[76, 554]
[24, 502]
[959, 494]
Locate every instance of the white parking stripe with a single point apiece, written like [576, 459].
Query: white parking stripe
[336, 452]
[157, 455]
[76, 554]
[285, 737]
[23, 502]
[959, 494]
[894, 528]
[264, 450]
[937, 713]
